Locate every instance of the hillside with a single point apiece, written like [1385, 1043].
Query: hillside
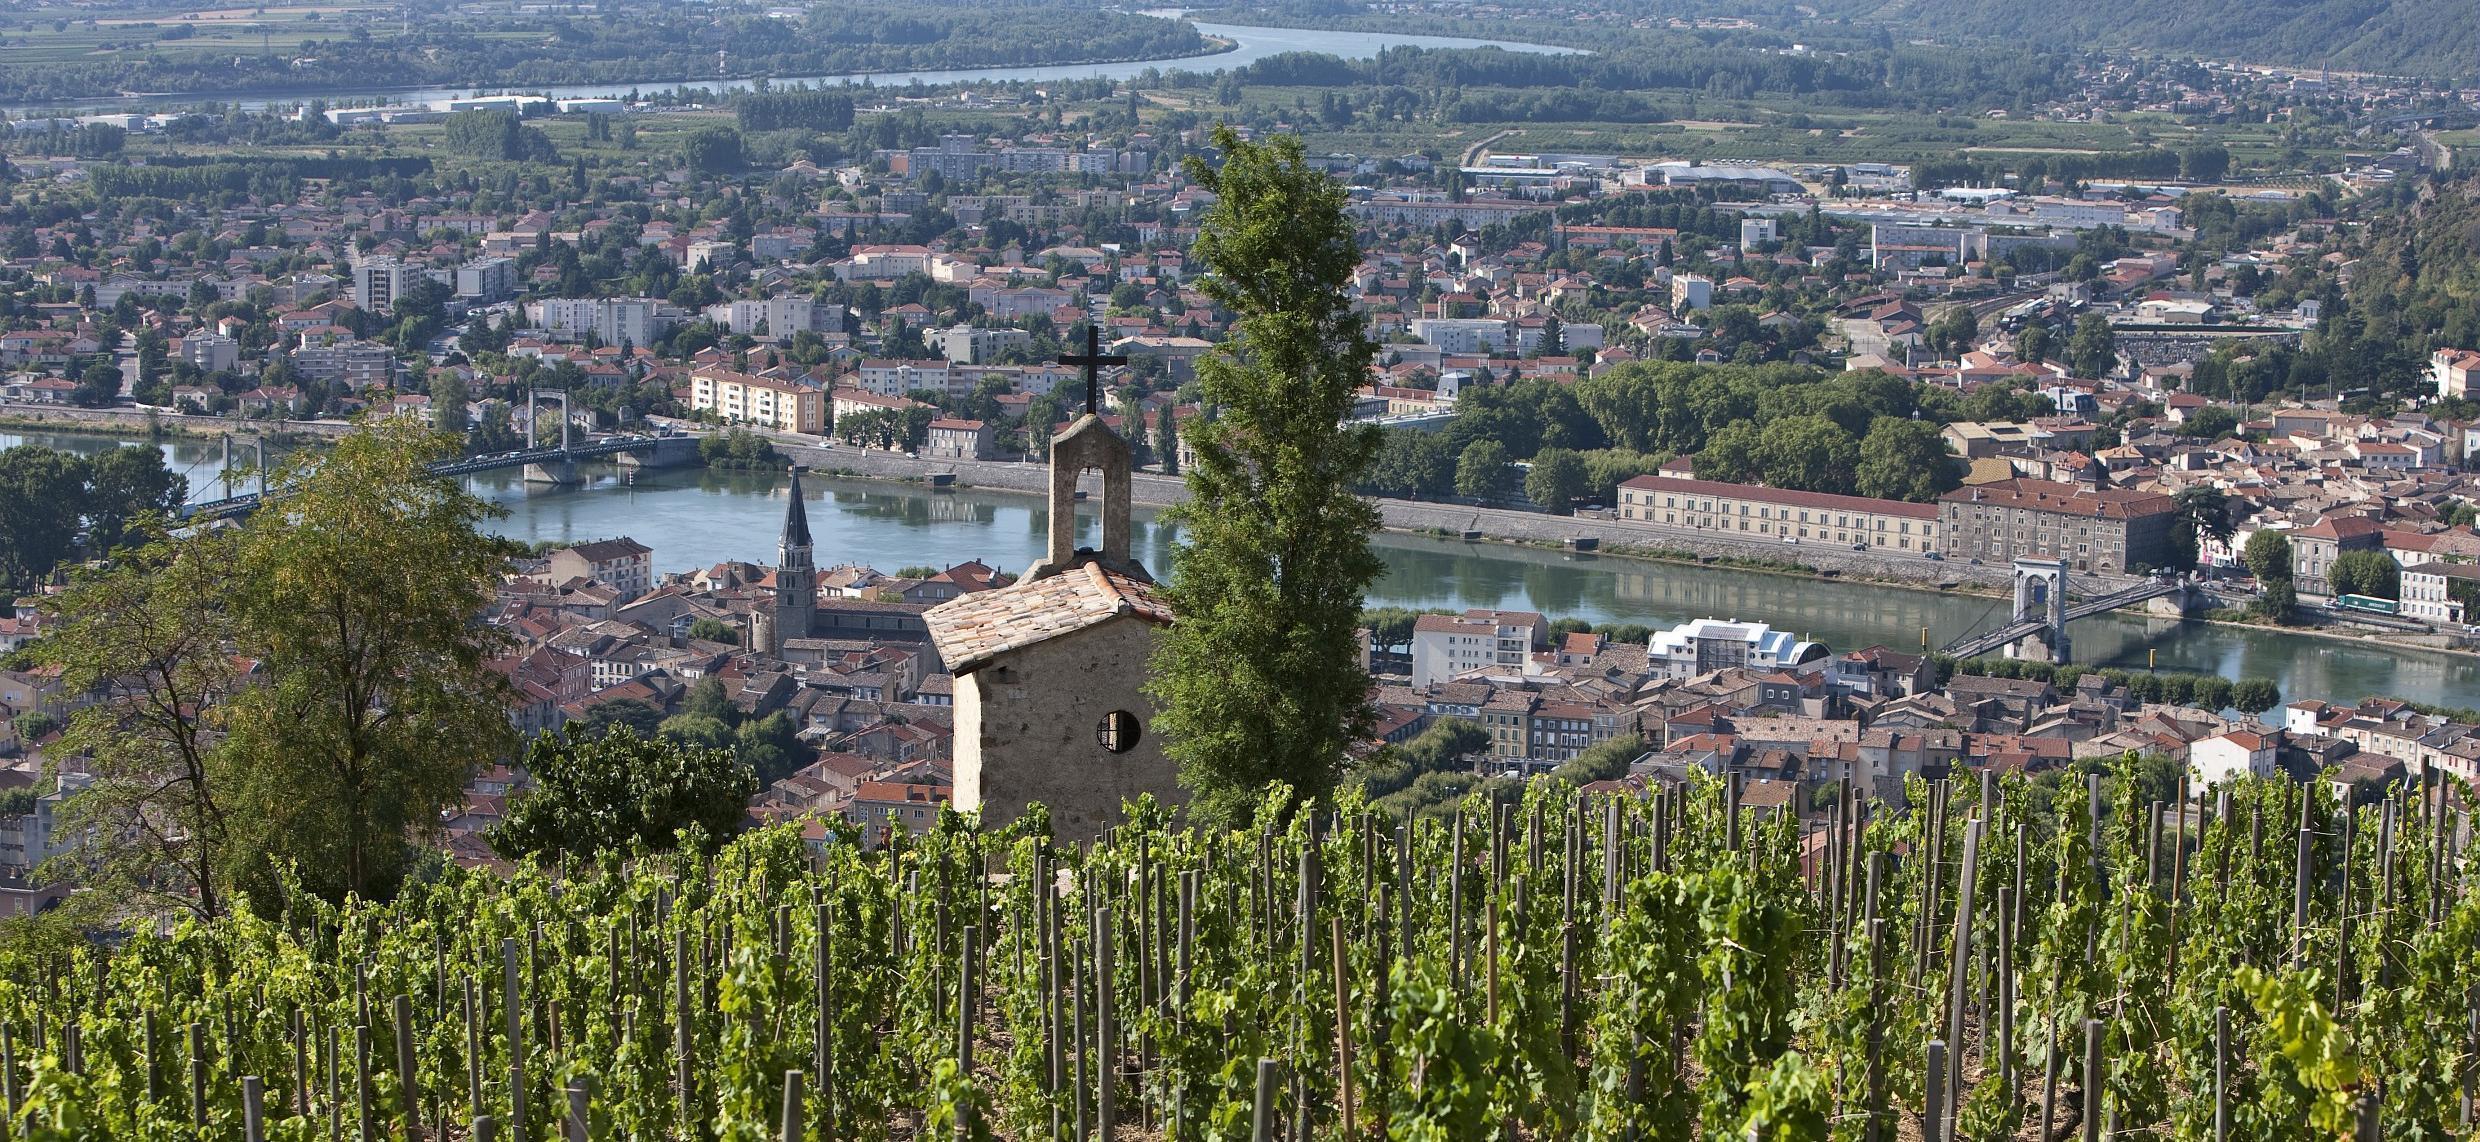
[2430, 37]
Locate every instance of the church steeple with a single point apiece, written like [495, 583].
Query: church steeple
[796, 572]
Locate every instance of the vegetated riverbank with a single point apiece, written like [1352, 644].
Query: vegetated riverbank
[151, 424]
[1620, 539]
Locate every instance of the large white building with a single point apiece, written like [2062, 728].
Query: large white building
[776, 317]
[486, 279]
[1465, 336]
[2230, 756]
[379, 281]
[2434, 592]
[1706, 645]
[2456, 371]
[612, 320]
[770, 402]
[1444, 646]
[210, 352]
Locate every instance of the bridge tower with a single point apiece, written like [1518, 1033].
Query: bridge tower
[2041, 596]
[562, 471]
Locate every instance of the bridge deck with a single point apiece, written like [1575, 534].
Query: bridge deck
[1975, 645]
[244, 504]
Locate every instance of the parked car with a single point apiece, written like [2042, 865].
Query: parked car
[1933, 557]
[1792, 540]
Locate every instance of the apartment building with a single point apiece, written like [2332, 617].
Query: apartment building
[379, 281]
[2093, 529]
[2439, 592]
[1444, 646]
[771, 402]
[1747, 510]
[486, 279]
[622, 564]
[357, 364]
[613, 320]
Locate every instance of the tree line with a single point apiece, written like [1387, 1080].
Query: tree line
[55, 505]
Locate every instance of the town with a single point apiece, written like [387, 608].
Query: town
[2151, 369]
[1399, 568]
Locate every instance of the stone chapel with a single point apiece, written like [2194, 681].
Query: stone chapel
[1049, 671]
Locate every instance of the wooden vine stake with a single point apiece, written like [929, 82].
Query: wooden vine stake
[2092, 1080]
[514, 1012]
[1261, 1122]
[2221, 1074]
[253, 1109]
[579, 1124]
[793, 1122]
[1933, 1108]
[1343, 1032]
[407, 1074]
[1106, 1045]
[968, 994]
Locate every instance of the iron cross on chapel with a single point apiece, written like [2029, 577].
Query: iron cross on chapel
[1093, 360]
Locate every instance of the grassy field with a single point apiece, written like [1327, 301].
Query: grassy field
[58, 35]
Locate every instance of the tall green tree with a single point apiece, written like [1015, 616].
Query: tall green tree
[1483, 471]
[2268, 556]
[123, 487]
[1167, 441]
[1557, 479]
[1730, 455]
[1260, 679]
[2202, 515]
[622, 792]
[366, 576]
[2370, 573]
[150, 637]
[1811, 453]
[2093, 350]
[448, 396]
[42, 491]
[1903, 460]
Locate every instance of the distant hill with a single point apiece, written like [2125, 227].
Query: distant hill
[2428, 37]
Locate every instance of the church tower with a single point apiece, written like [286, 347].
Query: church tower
[796, 574]
[1051, 670]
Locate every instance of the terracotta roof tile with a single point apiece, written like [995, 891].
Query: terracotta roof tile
[973, 629]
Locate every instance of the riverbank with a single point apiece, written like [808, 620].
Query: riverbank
[1631, 538]
[150, 424]
[1624, 539]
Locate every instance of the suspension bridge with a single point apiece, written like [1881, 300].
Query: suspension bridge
[2038, 628]
[545, 465]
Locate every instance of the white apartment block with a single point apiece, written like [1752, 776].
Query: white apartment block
[776, 317]
[769, 402]
[486, 279]
[211, 352]
[379, 281]
[612, 320]
[1465, 336]
[894, 378]
[2429, 590]
[1445, 646]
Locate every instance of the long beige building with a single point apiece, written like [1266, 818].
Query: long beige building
[1752, 512]
[740, 398]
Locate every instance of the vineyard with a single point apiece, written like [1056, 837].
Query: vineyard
[2011, 960]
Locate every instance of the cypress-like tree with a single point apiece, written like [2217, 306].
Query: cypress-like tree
[1260, 681]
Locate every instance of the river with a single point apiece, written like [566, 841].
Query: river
[1253, 44]
[694, 517]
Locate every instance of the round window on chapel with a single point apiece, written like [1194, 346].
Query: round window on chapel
[1117, 731]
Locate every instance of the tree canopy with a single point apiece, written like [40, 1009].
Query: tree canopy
[1260, 679]
[623, 792]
